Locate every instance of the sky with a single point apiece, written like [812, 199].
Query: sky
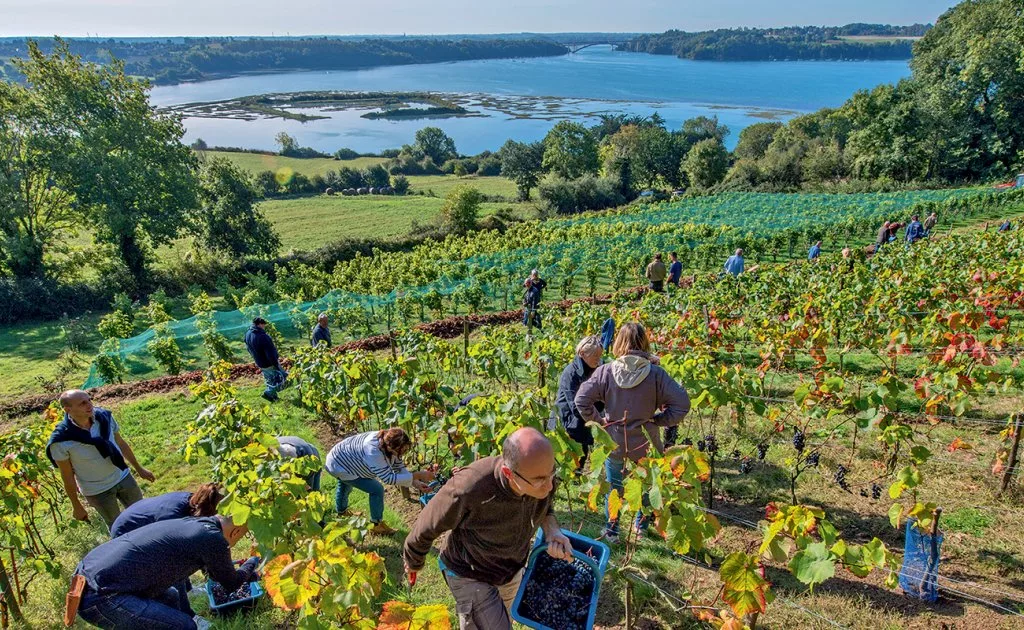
[128, 18]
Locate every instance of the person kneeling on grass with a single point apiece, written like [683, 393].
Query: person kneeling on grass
[130, 581]
[365, 461]
[492, 508]
[165, 507]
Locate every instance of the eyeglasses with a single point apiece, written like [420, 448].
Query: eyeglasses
[553, 477]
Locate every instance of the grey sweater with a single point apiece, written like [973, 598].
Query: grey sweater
[633, 391]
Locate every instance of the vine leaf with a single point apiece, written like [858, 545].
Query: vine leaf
[813, 564]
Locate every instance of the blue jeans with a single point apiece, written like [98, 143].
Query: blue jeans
[274, 378]
[613, 475]
[119, 611]
[536, 318]
[371, 487]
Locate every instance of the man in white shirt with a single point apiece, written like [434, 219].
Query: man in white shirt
[93, 459]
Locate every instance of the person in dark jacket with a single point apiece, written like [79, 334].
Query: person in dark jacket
[531, 301]
[164, 507]
[588, 358]
[492, 509]
[1006, 226]
[321, 333]
[130, 580]
[639, 398]
[675, 270]
[263, 351]
[914, 231]
[883, 236]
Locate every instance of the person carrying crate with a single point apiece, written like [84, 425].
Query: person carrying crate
[492, 508]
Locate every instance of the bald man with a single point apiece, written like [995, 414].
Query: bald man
[492, 508]
[93, 459]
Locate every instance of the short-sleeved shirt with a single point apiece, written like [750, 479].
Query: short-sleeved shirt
[94, 473]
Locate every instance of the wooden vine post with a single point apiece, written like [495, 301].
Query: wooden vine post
[1011, 464]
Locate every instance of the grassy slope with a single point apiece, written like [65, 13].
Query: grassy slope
[981, 541]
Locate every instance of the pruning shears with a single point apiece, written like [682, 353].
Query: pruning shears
[412, 581]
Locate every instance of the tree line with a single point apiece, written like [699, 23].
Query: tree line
[82, 150]
[196, 59]
[794, 42]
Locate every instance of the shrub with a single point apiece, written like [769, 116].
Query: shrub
[40, 298]
[400, 183]
[116, 325]
[108, 362]
[562, 196]
[345, 154]
[167, 353]
[461, 209]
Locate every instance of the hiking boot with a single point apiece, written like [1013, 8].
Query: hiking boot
[269, 397]
[350, 513]
[610, 536]
[201, 624]
[383, 529]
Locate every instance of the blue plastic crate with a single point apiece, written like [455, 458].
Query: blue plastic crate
[255, 592]
[592, 552]
[425, 498]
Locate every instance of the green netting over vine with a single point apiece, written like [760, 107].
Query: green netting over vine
[484, 271]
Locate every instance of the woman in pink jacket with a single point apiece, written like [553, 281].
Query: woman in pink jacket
[637, 395]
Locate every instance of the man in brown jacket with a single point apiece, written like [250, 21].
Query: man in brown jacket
[492, 509]
[656, 273]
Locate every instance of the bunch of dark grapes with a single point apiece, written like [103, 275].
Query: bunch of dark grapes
[746, 466]
[840, 478]
[687, 441]
[798, 441]
[812, 459]
[710, 444]
[671, 436]
[701, 446]
[736, 454]
[762, 450]
[221, 597]
[876, 491]
[558, 593]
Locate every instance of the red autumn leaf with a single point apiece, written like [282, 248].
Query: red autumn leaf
[958, 444]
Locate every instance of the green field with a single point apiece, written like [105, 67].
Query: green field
[310, 222]
[256, 162]
[439, 184]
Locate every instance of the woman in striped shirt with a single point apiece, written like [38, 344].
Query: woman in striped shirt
[366, 461]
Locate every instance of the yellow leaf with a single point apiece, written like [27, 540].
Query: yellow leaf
[614, 505]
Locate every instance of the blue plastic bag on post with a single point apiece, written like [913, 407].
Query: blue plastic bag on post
[919, 575]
